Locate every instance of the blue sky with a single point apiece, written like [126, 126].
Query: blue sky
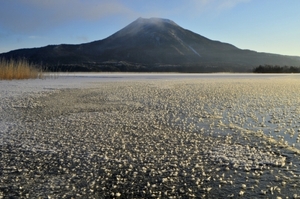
[265, 26]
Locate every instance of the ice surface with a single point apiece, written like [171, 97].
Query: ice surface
[150, 135]
[81, 80]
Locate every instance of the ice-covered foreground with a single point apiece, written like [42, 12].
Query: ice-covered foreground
[150, 135]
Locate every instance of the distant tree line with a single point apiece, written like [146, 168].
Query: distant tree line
[276, 69]
[134, 67]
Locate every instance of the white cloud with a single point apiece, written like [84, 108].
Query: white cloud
[212, 6]
[33, 37]
[72, 9]
[227, 4]
[29, 15]
[82, 38]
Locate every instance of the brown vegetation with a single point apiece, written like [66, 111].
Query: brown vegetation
[18, 69]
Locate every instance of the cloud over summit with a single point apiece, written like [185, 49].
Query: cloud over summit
[31, 15]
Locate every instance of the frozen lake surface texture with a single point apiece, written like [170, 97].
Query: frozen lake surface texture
[150, 136]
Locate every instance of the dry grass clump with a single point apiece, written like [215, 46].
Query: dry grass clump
[18, 69]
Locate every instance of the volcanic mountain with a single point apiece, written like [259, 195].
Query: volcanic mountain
[152, 44]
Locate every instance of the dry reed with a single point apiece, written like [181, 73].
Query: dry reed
[18, 69]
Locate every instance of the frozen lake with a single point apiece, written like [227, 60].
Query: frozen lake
[77, 80]
[163, 76]
[151, 135]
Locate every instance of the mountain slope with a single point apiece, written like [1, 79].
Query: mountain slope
[151, 45]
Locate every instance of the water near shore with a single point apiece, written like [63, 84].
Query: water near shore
[151, 136]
